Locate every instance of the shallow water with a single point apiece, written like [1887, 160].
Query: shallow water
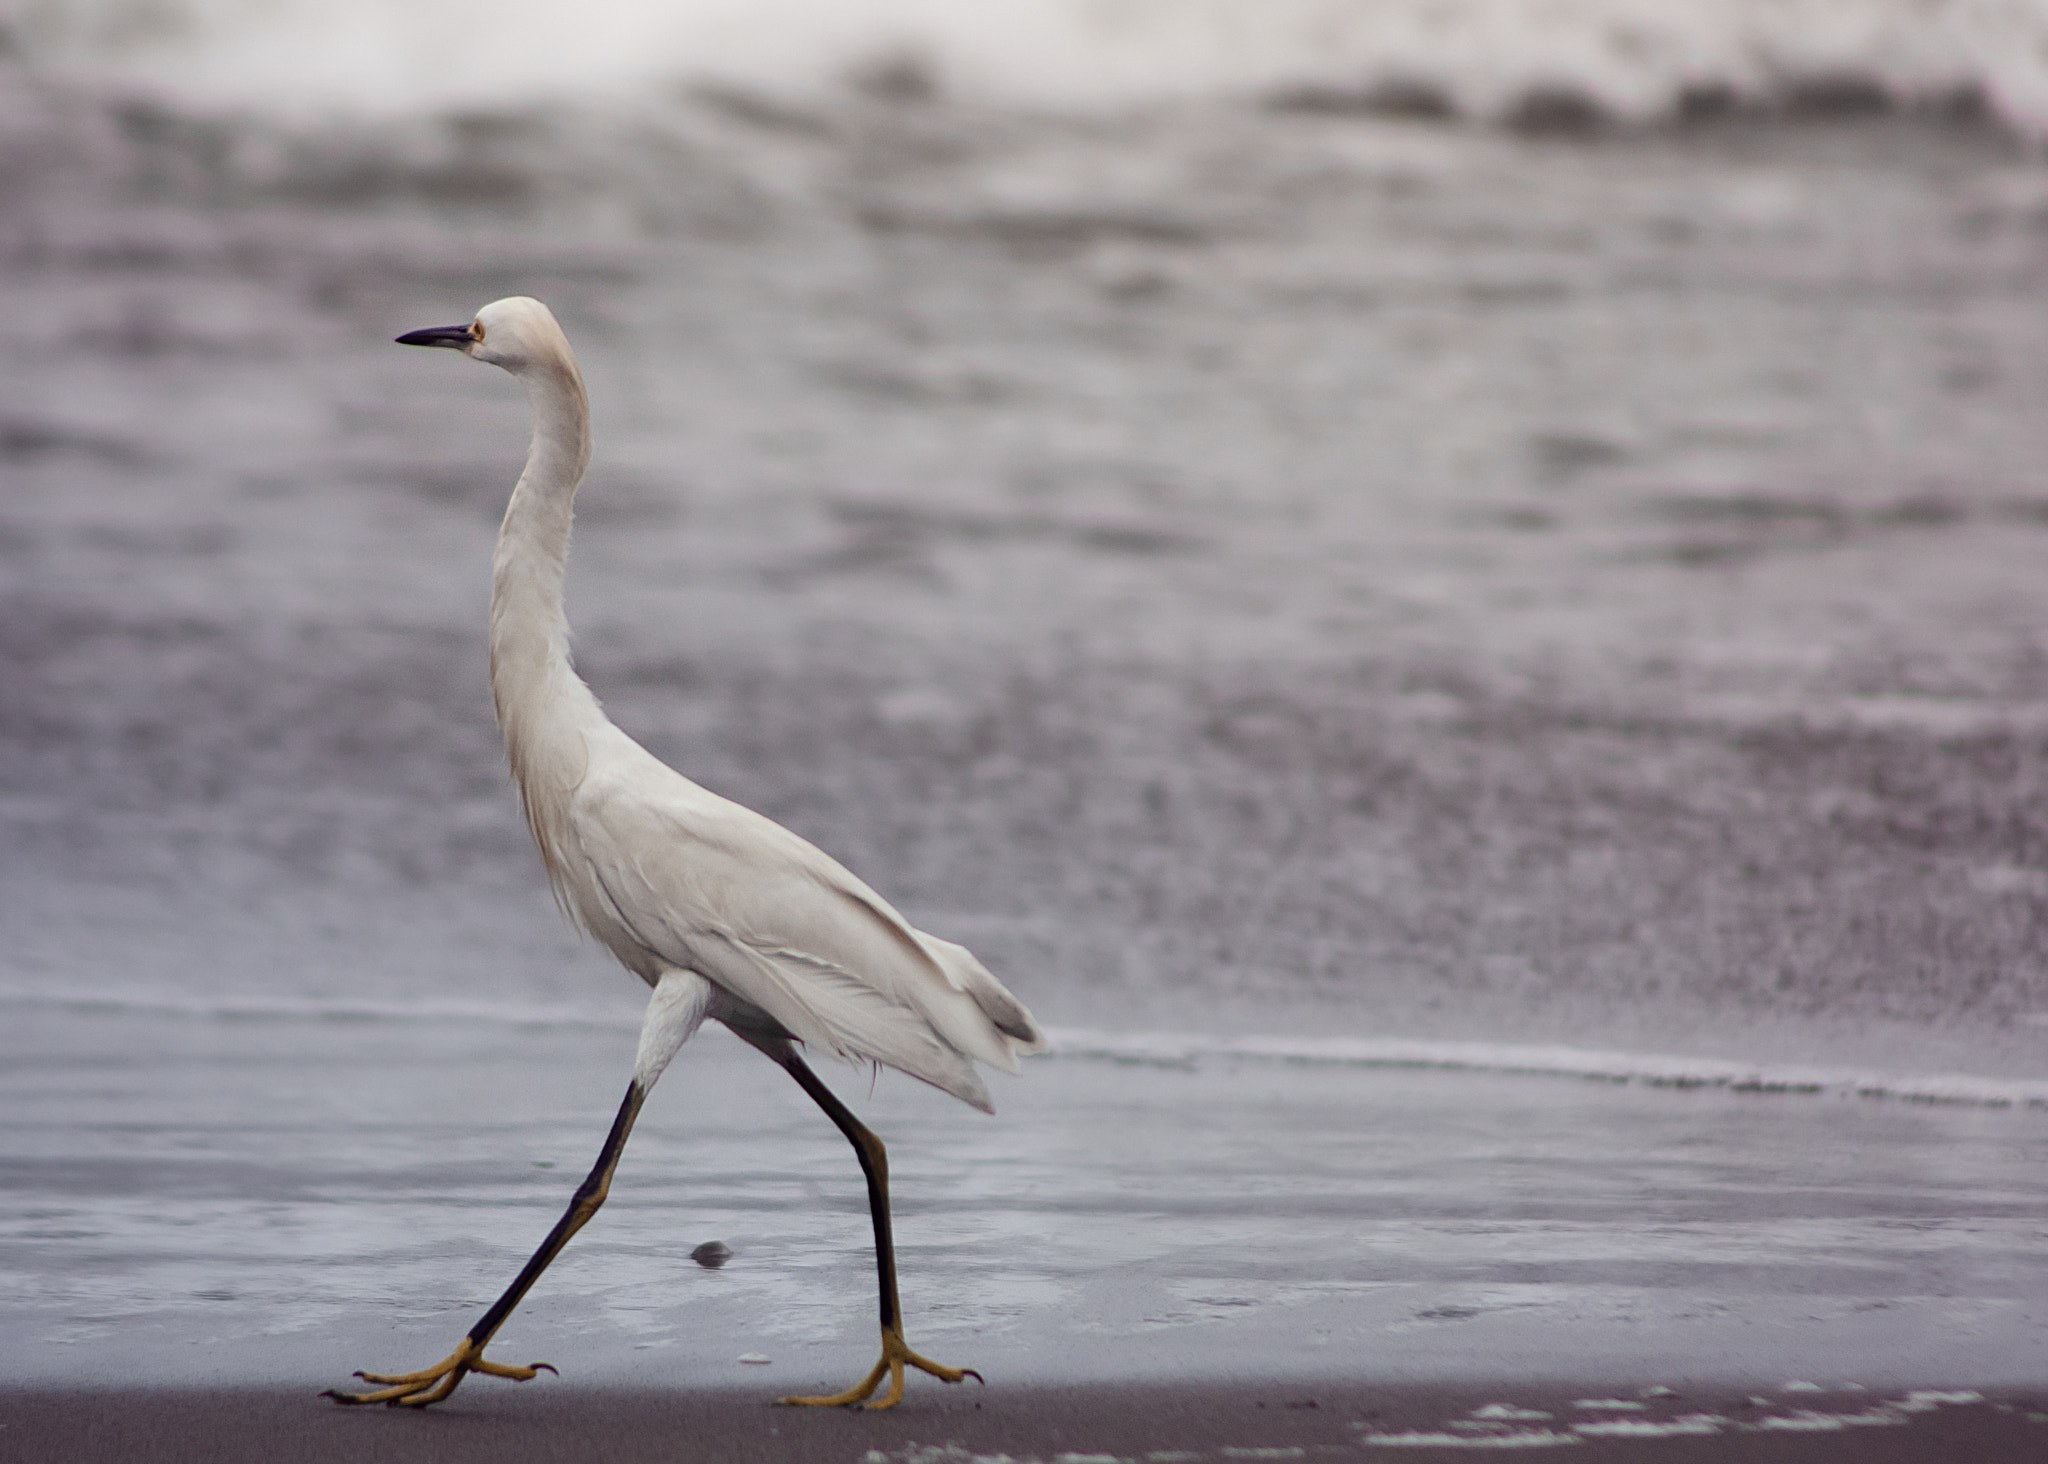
[286, 1199]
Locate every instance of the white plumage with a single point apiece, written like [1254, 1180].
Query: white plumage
[725, 913]
[670, 876]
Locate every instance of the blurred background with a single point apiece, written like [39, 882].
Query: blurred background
[1496, 522]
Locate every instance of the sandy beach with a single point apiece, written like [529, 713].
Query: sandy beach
[1182, 1424]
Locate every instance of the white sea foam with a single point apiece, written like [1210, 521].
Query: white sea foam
[1632, 58]
[1645, 1069]
[1704, 1425]
[1697, 1425]
[1541, 1438]
[1658, 1070]
[263, 1006]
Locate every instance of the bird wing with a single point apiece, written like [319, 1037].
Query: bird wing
[699, 882]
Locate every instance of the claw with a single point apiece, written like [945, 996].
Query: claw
[517, 1374]
[896, 1355]
[431, 1385]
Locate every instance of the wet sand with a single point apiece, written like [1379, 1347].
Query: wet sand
[278, 1200]
[1083, 1423]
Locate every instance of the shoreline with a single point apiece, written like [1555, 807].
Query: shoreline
[1187, 1423]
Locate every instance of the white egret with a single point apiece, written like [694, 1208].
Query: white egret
[724, 913]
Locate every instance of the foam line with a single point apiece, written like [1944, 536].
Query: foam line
[1658, 1070]
[1177, 1049]
[262, 1006]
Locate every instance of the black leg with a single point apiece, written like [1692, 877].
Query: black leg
[874, 1163]
[433, 1384]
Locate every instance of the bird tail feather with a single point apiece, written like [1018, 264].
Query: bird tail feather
[829, 1009]
[1019, 1035]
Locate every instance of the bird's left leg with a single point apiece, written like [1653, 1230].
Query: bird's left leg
[874, 1163]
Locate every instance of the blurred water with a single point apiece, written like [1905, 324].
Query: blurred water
[1350, 573]
[1634, 59]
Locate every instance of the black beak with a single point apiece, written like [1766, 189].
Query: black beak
[456, 337]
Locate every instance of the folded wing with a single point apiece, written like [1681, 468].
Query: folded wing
[679, 877]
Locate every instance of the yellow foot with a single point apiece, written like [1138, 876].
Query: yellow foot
[431, 1385]
[895, 1356]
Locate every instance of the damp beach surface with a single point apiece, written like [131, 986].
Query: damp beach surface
[211, 1220]
[1251, 571]
[294, 1199]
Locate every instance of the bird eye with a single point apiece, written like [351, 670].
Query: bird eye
[476, 330]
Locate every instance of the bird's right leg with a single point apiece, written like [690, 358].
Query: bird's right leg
[432, 1384]
[874, 1164]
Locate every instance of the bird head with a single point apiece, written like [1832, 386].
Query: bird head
[517, 333]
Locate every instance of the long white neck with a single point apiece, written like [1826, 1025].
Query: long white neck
[543, 706]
